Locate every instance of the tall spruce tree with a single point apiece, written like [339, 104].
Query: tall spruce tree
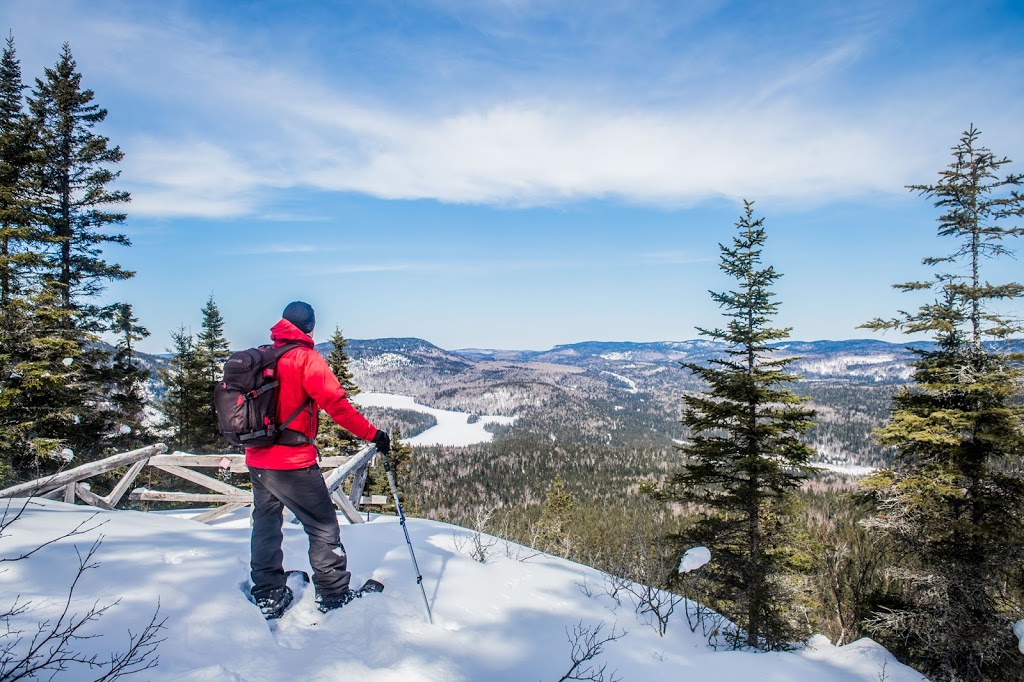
[54, 268]
[212, 350]
[185, 403]
[744, 457]
[74, 186]
[211, 344]
[128, 378]
[21, 241]
[332, 439]
[954, 505]
[19, 252]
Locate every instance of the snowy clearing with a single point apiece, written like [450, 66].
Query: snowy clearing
[501, 620]
[626, 380]
[452, 428]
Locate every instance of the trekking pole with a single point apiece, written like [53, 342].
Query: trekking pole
[401, 520]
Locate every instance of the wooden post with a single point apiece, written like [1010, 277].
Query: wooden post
[345, 470]
[358, 484]
[89, 497]
[201, 479]
[157, 496]
[122, 486]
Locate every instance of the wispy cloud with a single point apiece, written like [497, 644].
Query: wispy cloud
[351, 268]
[260, 126]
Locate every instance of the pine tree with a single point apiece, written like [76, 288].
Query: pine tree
[184, 405]
[554, 530]
[332, 439]
[211, 344]
[74, 185]
[21, 241]
[64, 271]
[211, 352]
[954, 505]
[744, 457]
[128, 379]
[45, 410]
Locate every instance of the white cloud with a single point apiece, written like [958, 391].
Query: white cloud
[233, 125]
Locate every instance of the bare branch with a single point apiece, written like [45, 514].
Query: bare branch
[587, 644]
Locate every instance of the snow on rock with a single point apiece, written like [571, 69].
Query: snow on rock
[1018, 629]
[67, 361]
[125, 429]
[861, 659]
[383, 363]
[452, 428]
[503, 620]
[694, 558]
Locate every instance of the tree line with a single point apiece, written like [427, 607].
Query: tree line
[927, 556]
[62, 396]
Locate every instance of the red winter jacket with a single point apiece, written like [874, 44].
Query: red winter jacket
[303, 373]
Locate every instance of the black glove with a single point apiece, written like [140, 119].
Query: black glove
[383, 442]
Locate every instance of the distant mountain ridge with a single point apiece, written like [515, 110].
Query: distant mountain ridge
[629, 393]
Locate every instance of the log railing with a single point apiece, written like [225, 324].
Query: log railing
[68, 484]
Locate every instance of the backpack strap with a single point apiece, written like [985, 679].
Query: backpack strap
[291, 436]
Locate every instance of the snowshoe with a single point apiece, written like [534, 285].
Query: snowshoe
[325, 604]
[275, 603]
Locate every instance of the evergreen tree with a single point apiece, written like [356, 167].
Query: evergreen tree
[744, 456]
[50, 282]
[21, 242]
[184, 405]
[128, 378]
[332, 439]
[74, 192]
[554, 530]
[211, 344]
[45, 411]
[954, 505]
[211, 351]
[377, 483]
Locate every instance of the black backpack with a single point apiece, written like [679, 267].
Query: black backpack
[246, 400]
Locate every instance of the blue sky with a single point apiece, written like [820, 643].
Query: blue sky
[519, 173]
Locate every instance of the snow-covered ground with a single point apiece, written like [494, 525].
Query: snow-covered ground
[506, 619]
[452, 428]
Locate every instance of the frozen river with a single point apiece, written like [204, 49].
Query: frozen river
[453, 428]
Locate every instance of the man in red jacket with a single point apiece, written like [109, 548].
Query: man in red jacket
[286, 473]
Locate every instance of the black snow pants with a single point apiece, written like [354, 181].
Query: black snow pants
[304, 493]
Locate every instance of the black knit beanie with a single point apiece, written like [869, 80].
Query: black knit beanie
[301, 315]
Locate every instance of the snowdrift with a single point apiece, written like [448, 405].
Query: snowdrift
[506, 619]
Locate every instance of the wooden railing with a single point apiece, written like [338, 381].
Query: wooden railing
[68, 484]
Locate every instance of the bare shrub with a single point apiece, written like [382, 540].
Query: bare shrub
[48, 647]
